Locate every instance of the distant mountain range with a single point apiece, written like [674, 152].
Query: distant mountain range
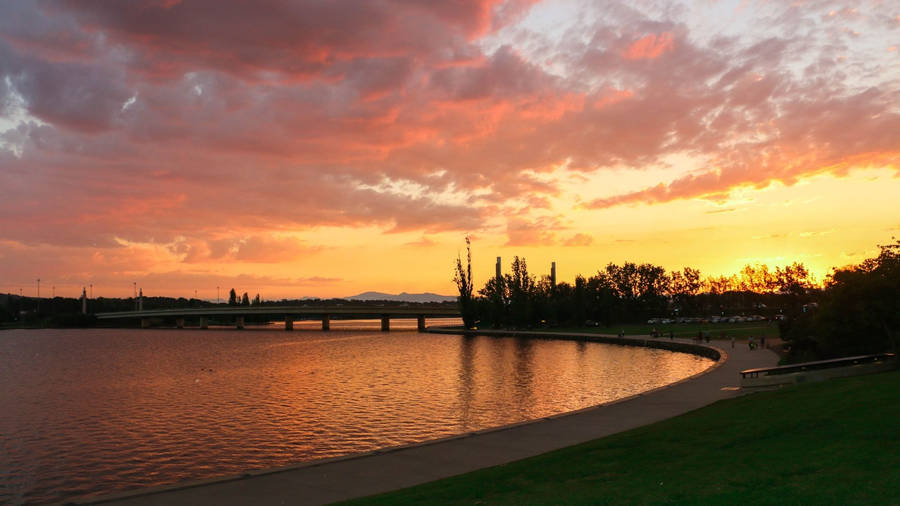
[403, 297]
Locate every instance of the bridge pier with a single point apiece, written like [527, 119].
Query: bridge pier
[239, 322]
[421, 323]
[385, 323]
[326, 322]
[179, 322]
[203, 324]
[288, 323]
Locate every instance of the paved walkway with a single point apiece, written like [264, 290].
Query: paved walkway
[347, 478]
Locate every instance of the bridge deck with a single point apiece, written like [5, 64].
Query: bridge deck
[346, 311]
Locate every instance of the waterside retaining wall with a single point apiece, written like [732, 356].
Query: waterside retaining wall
[702, 350]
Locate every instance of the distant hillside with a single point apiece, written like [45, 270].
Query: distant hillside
[403, 297]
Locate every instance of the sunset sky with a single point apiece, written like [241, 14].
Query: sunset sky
[324, 148]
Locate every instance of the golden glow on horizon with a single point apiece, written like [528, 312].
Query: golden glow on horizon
[810, 222]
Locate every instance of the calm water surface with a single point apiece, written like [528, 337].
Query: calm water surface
[91, 412]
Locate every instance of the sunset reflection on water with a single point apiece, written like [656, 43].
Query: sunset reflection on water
[91, 412]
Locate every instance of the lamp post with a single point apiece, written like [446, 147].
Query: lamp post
[217, 295]
[39, 295]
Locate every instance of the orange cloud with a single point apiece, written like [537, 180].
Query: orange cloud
[579, 239]
[540, 232]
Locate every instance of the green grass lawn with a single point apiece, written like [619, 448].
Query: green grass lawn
[835, 442]
[741, 330]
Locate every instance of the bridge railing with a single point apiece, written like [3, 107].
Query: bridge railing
[396, 312]
[819, 364]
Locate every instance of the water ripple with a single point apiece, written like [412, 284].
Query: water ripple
[92, 412]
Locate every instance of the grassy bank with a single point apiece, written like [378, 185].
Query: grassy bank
[741, 330]
[827, 443]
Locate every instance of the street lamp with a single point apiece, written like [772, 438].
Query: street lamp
[217, 295]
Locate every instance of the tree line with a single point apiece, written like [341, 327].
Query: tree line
[628, 293]
[858, 312]
[243, 301]
[632, 293]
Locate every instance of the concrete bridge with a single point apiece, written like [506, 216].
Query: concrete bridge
[288, 313]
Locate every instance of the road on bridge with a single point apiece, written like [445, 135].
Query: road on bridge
[288, 313]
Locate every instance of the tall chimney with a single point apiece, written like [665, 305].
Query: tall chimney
[83, 301]
[499, 274]
[552, 273]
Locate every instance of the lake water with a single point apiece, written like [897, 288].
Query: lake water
[97, 411]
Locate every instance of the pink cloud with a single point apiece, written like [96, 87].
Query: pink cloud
[812, 138]
[253, 249]
[424, 242]
[649, 47]
[296, 39]
[112, 272]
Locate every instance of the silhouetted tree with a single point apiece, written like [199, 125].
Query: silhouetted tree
[719, 285]
[563, 308]
[545, 301]
[521, 287]
[758, 279]
[580, 296]
[640, 290]
[496, 301]
[684, 288]
[232, 298]
[602, 301]
[794, 283]
[463, 280]
[256, 301]
[858, 311]
[630, 293]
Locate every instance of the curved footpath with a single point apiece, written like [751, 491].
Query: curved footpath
[344, 478]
